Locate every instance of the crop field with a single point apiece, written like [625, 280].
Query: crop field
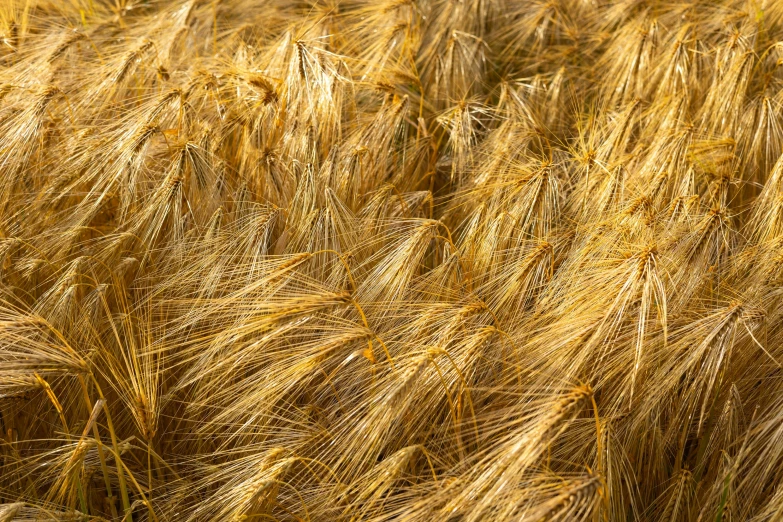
[391, 260]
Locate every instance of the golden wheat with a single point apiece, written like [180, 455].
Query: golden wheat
[398, 260]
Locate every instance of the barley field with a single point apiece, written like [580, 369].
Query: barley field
[391, 260]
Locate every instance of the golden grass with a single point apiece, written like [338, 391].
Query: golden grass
[391, 260]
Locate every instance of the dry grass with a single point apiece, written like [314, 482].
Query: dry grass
[401, 260]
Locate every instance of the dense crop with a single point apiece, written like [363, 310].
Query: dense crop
[391, 260]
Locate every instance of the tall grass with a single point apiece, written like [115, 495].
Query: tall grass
[391, 260]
